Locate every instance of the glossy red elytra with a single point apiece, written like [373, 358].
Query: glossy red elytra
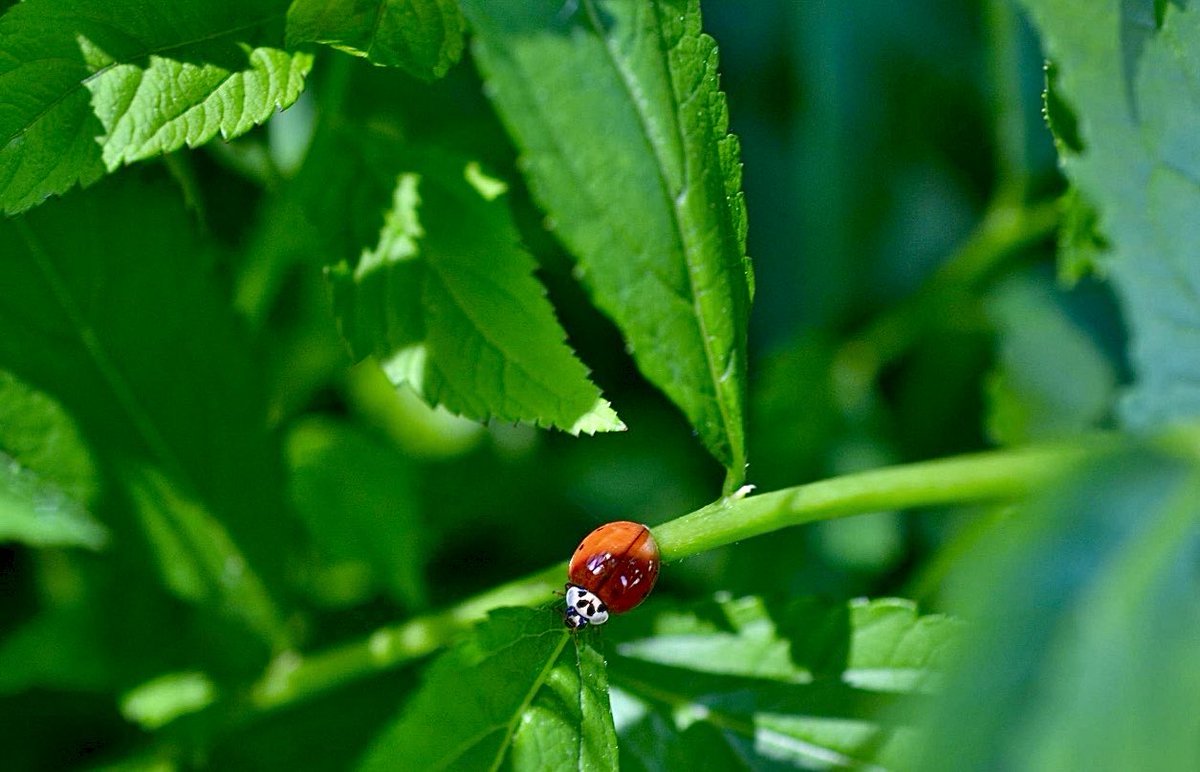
[613, 570]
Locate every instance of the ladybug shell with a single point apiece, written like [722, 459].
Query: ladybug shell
[618, 562]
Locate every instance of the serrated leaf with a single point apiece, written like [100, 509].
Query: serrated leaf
[456, 313]
[519, 690]
[424, 37]
[623, 136]
[48, 481]
[1132, 85]
[1081, 651]
[90, 85]
[124, 328]
[808, 684]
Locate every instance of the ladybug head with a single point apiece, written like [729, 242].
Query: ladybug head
[583, 608]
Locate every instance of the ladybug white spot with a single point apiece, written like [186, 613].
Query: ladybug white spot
[584, 608]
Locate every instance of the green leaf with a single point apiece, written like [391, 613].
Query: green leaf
[622, 130]
[424, 37]
[373, 522]
[1080, 246]
[48, 482]
[90, 85]
[124, 327]
[1052, 380]
[56, 649]
[808, 685]
[162, 700]
[1084, 618]
[456, 313]
[1132, 86]
[519, 689]
[197, 558]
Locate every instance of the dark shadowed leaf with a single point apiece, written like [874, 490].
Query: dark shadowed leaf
[424, 37]
[123, 326]
[355, 493]
[1052, 380]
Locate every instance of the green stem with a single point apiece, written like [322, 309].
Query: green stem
[996, 475]
[293, 677]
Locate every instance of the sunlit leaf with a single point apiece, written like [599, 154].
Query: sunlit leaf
[810, 685]
[163, 699]
[456, 313]
[48, 481]
[623, 136]
[90, 85]
[519, 690]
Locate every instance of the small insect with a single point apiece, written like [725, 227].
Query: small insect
[613, 570]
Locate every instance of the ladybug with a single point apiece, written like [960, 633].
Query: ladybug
[613, 570]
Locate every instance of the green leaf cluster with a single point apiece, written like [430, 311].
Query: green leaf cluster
[327, 330]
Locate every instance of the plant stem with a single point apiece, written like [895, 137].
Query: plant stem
[293, 677]
[996, 475]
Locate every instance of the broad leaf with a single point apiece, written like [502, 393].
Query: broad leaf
[809, 685]
[622, 131]
[520, 689]
[424, 37]
[123, 326]
[48, 482]
[1132, 85]
[1083, 621]
[90, 85]
[455, 311]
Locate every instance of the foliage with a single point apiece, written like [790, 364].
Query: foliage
[328, 328]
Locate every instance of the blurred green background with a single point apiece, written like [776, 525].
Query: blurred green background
[873, 144]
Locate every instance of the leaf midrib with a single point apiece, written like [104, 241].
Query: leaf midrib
[142, 422]
[676, 219]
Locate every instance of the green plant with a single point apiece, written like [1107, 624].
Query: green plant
[294, 409]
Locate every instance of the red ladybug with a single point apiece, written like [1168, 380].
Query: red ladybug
[613, 570]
